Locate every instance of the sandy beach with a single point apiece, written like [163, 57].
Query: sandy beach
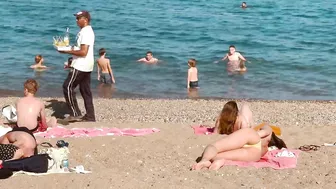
[163, 160]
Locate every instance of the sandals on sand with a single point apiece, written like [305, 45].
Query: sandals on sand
[311, 147]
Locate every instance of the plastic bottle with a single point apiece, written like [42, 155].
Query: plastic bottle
[66, 38]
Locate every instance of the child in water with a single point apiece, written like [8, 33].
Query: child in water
[38, 62]
[242, 143]
[192, 80]
[103, 64]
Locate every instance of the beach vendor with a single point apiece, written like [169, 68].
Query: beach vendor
[82, 63]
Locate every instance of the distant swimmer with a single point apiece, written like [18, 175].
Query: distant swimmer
[149, 58]
[244, 5]
[236, 60]
[105, 74]
[38, 62]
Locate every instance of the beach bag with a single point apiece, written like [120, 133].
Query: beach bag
[9, 112]
[56, 154]
[36, 164]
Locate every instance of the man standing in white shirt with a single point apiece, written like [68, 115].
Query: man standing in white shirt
[82, 63]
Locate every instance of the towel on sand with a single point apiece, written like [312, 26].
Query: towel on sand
[93, 132]
[276, 159]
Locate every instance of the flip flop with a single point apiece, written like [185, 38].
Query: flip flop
[329, 144]
[311, 147]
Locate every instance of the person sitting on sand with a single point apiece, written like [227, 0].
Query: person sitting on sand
[192, 80]
[244, 5]
[30, 110]
[236, 60]
[242, 142]
[103, 64]
[38, 63]
[149, 58]
[230, 114]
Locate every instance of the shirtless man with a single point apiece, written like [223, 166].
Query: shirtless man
[236, 60]
[38, 63]
[30, 110]
[149, 58]
[106, 76]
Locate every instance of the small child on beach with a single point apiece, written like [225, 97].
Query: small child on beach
[30, 110]
[192, 80]
[106, 76]
[38, 63]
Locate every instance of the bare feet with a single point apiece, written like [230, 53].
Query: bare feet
[201, 165]
[217, 164]
[52, 122]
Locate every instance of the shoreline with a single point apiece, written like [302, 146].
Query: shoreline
[122, 96]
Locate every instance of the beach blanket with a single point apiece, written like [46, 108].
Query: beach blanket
[63, 132]
[276, 159]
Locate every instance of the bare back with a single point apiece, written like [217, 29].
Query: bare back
[192, 74]
[28, 111]
[103, 64]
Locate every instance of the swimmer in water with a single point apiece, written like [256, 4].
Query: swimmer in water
[244, 5]
[236, 60]
[149, 58]
[38, 62]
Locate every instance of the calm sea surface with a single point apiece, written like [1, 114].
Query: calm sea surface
[291, 46]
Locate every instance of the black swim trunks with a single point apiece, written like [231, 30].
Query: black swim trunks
[7, 151]
[193, 84]
[23, 129]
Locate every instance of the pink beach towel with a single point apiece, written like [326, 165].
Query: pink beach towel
[270, 160]
[59, 131]
[203, 130]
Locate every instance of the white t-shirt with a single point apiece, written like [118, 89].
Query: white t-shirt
[85, 37]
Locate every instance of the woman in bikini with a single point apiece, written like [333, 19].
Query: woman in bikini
[241, 143]
[236, 60]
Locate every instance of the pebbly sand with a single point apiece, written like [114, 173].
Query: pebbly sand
[163, 160]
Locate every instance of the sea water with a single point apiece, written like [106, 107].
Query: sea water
[291, 46]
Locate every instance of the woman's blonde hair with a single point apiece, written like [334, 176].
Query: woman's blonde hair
[227, 118]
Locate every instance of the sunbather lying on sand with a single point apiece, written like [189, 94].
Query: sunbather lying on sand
[23, 141]
[242, 142]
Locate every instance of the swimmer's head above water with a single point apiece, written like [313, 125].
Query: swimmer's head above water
[149, 55]
[38, 59]
[244, 5]
[232, 49]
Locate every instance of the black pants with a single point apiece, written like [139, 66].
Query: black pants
[83, 79]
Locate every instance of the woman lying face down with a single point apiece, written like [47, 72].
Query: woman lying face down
[241, 141]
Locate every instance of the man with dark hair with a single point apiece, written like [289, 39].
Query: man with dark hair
[149, 58]
[82, 63]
